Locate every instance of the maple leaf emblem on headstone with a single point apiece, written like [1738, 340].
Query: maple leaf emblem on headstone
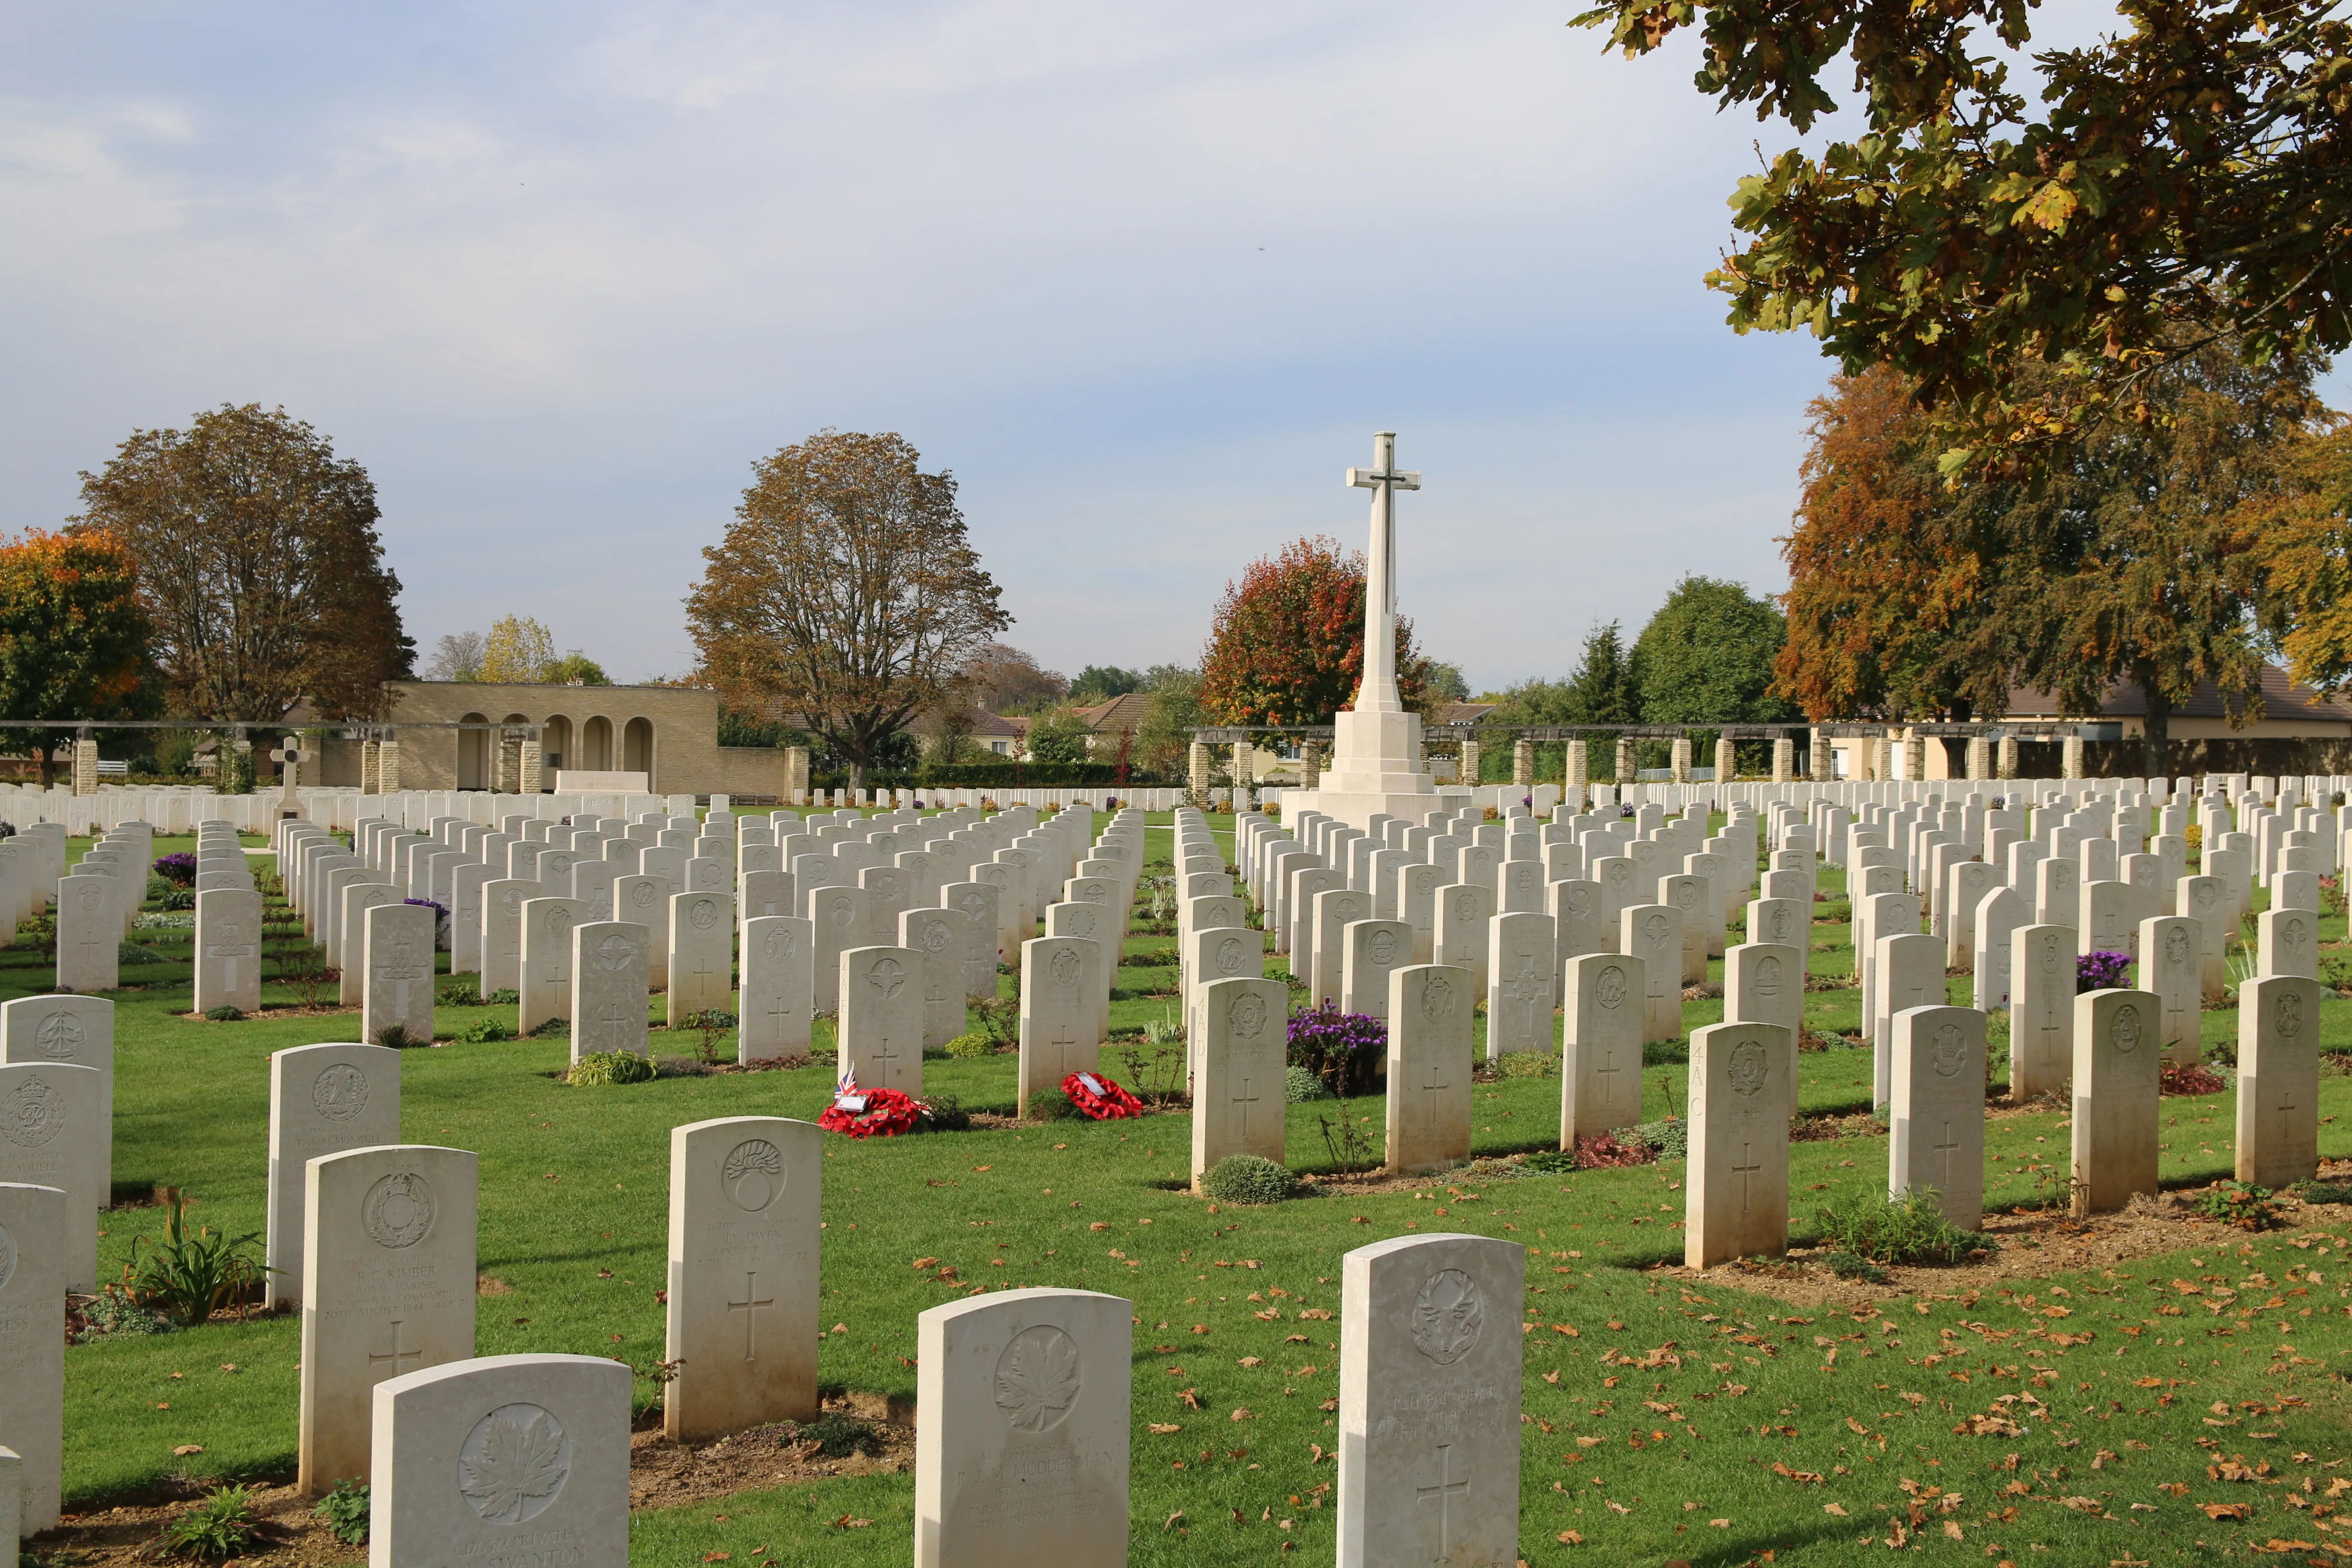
[1037, 1378]
[515, 1461]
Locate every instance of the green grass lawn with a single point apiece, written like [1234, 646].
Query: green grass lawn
[1801, 1433]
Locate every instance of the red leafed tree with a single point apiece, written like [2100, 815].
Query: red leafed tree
[1287, 646]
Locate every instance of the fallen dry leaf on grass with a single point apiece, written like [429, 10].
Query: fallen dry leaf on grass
[1162, 1428]
[2226, 1510]
[1836, 1507]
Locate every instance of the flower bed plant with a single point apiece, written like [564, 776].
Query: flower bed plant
[1345, 1051]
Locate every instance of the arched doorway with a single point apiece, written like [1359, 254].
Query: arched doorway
[474, 754]
[637, 748]
[596, 746]
[555, 747]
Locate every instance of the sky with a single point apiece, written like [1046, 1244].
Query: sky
[1146, 278]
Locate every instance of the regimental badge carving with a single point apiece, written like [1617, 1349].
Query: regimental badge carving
[1579, 902]
[33, 1114]
[1947, 1050]
[778, 942]
[398, 1210]
[1780, 923]
[512, 899]
[1246, 1017]
[1038, 1379]
[1384, 948]
[2125, 1029]
[59, 1037]
[754, 1173]
[1437, 998]
[615, 952]
[7, 1256]
[1466, 905]
[642, 895]
[887, 976]
[1748, 1058]
[975, 904]
[936, 936]
[844, 912]
[2049, 955]
[2291, 935]
[1654, 929]
[1080, 920]
[558, 920]
[2176, 945]
[1686, 896]
[1610, 989]
[1065, 967]
[2289, 1018]
[1229, 955]
[1448, 1316]
[514, 1464]
[703, 913]
[1768, 977]
[340, 1092]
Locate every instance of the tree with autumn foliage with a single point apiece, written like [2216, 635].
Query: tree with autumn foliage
[74, 638]
[1287, 644]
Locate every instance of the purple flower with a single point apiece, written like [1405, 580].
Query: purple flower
[2101, 970]
[440, 911]
[180, 869]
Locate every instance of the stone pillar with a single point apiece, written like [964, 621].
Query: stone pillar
[1980, 757]
[1198, 757]
[1580, 774]
[1726, 759]
[1822, 757]
[387, 768]
[2070, 757]
[2007, 767]
[1914, 755]
[527, 768]
[371, 779]
[1468, 771]
[1310, 764]
[796, 775]
[1784, 759]
[1628, 761]
[509, 772]
[1244, 768]
[1679, 759]
[1523, 763]
[84, 766]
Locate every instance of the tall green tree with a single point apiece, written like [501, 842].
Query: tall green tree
[2184, 179]
[258, 562]
[1705, 657]
[847, 590]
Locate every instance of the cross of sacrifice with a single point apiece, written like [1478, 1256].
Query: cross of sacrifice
[1443, 1494]
[397, 1355]
[1945, 1149]
[750, 1307]
[1747, 1174]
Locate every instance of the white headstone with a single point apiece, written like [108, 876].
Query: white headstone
[1430, 1366]
[36, 1223]
[840, 917]
[50, 1137]
[1523, 975]
[1238, 1071]
[324, 1099]
[881, 1032]
[2117, 1054]
[2041, 1010]
[2287, 942]
[702, 955]
[90, 934]
[1429, 1009]
[745, 1210]
[1601, 1066]
[228, 950]
[2278, 1080]
[1058, 978]
[1654, 933]
[939, 934]
[1372, 950]
[779, 988]
[609, 987]
[1020, 1431]
[396, 954]
[76, 1031]
[1764, 983]
[1742, 1093]
[1936, 1110]
[502, 902]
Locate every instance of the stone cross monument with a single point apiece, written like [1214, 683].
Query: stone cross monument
[1376, 762]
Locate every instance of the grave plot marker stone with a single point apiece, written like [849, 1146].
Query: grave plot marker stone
[2171, 964]
[1021, 1417]
[609, 987]
[645, 901]
[228, 950]
[1938, 1109]
[1910, 974]
[2041, 1010]
[1429, 1401]
[1463, 910]
[1238, 1071]
[2278, 1080]
[508, 1461]
[744, 1209]
[1654, 933]
[387, 1289]
[1430, 1005]
[1998, 916]
[502, 902]
[701, 956]
[36, 1228]
[1600, 1067]
[840, 917]
[75, 1031]
[1059, 977]
[978, 900]
[547, 926]
[2287, 942]
[779, 988]
[1689, 897]
[324, 1099]
[2117, 1054]
[1764, 983]
[1522, 968]
[2206, 900]
[1741, 1095]
[940, 936]
[1373, 950]
[1782, 922]
[90, 934]
[881, 1033]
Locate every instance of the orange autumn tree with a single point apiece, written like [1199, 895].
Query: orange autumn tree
[1889, 587]
[1287, 644]
[74, 639]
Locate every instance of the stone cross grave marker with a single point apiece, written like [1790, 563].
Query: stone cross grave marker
[1238, 1071]
[1059, 977]
[1429, 1401]
[2117, 1051]
[324, 1099]
[779, 987]
[744, 1214]
[702, 955]
[1938, 1109]
[387, 1289]
[2278, 1080]
[228, 950]
[1601, 1071]
[1021, 1417]
[508, 1460]
[1742, 1092]
[881, 1033]
[1429, 1009]
[609, 987]
[1523, 973]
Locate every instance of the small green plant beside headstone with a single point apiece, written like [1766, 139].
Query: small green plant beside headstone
[1247, 1179]
[600, 1069]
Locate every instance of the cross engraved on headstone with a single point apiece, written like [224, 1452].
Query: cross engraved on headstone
[1433, 1085]
[615, 1013]
[1608, 1070]
[750, 1307]
[777, 1010]
[1242, 1101]
[883, 1056]
[397, 1355]
[1747, 1174]
[1443, 1494]
[1945, 1149]
[2286, 1109]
